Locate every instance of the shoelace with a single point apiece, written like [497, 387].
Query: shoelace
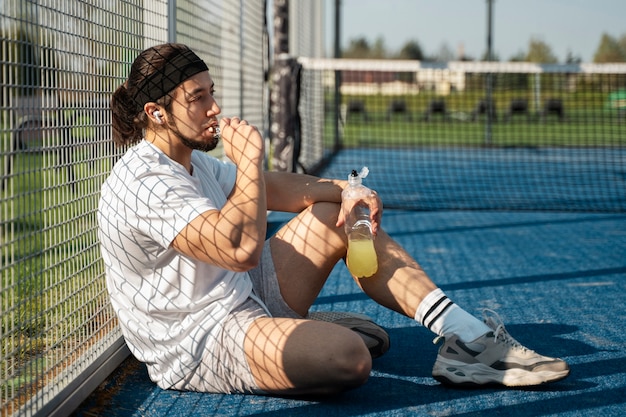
[505, 337]
[499, 331]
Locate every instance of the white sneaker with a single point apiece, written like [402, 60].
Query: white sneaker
[494, 358]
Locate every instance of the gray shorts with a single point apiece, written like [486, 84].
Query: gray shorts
[225, 369]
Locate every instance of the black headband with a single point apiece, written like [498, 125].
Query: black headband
[165, 79]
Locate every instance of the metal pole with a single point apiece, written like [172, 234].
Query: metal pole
[241, 57]
[489, 105]
[337, 54]
[282, 112]
[171, 21]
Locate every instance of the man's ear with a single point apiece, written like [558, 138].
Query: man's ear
[154, 112]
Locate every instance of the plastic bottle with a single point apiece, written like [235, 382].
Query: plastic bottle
[361, 258]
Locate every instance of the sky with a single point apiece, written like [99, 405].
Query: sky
[574, 26]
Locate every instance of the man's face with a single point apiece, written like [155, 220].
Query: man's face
[194, 113]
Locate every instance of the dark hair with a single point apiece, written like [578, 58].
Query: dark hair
[128, 118]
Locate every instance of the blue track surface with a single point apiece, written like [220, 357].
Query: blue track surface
[557, 279]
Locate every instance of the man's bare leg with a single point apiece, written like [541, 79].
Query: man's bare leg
[297, 357]
[308, 247]
[306, 250]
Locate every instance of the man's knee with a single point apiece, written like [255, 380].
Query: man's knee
[326, 212]
[352, 362]
[335, 358]
[359, 368]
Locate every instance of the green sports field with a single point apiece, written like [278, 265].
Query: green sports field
[587, 120]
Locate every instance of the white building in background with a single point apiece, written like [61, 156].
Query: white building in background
[442, 80]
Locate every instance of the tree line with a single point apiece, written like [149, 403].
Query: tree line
[610, 49]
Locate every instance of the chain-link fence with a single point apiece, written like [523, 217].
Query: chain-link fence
[471, 135]
[61, 60]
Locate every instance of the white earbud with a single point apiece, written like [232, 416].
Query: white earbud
[157, 116]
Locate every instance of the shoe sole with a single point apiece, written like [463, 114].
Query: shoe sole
[459, 374]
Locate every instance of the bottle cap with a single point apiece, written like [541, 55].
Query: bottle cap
[355, 178]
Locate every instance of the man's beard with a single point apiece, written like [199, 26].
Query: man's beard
[193, 143]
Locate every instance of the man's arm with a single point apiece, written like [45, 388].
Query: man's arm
[233, 237]
[294, 192]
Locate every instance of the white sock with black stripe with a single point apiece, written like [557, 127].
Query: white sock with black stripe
[440, 315]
